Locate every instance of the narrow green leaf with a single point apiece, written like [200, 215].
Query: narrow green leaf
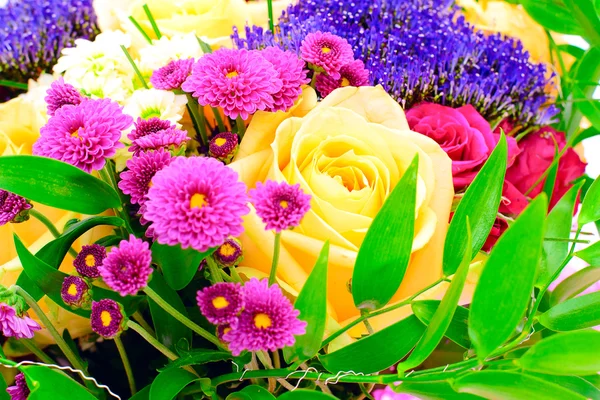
[570, 353]
[590, 254]
[576, 52]
[458, 330]
[198, 357]
[312, 304]
[577, 313]
[585, 134]
[304, 394]
[504, 385]
[3, 394]
[378, 351]
[575, 284]
[586, 69]
[590, 108]
[46, 383]
[143, 394]
[178, 265]
[43, 180]
[506, 283]
[480, 203]
[551, 177]
[169, 383]
[206, 49]
[385, 252]
[252, 392]
[438, 390]
[552, 15]
[572, 383]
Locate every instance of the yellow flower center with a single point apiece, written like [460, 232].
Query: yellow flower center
[227, 250]
[72, 290]
[232, 74]
[90, 261]
[220, 302]
[106, 318]
[262, 321]
[220, 141]
[345, 82]
[226, 330]
[198, 200]
[283, 204]
[76, 134]
[150, 184]
[325, 49]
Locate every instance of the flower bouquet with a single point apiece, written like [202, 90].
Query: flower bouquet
[224, 199]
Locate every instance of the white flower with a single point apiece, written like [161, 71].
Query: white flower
[166, 50]
[148, 103]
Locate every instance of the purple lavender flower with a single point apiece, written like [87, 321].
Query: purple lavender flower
[172, 75]
[61, 94]
[20, 390]
[267, 322]
[107, 318]
[84, 135]
[327, 52]
[154, 134]
[89, 259]
[75, 291]
[127, 267]
[281, 206]
[353, 74]
[223, 146]
[196, 202]
[137, 180]
[14, 326]
[229, 253]
[13, 208]
[291, 73]
[221, 303]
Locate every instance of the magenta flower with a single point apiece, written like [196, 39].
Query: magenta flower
[267, 322]
[239, 81]
[221, 303]
[327, 52]
[137, 180]
[196, 202]
[281, 206]
[20, 390]
[229, 253]
[89, 259]
[223, 146]
[14, 326]
[154, 134]
[172, 75]
[13, 208]
[84, 135]
[127, 267]
[75, 291]
[107, 318]
[353, 74]
[291, 73]
[389, 394]
[61, 94]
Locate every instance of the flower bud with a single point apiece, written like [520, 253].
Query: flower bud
[229, 253]
[76, 292]
[223, 146]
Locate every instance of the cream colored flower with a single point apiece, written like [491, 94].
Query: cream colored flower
[149, 103]
[162, 51]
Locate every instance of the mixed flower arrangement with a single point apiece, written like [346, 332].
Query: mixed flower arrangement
[355, 200]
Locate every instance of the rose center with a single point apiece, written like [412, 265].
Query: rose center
[72, 290]
[232, 74]
[283, 204]
[345, 82]
[220, 141]
[90, 261]
[220, 302]
[262, 321]
[106, 318]
[227, 250]
[198, 200]
[325, 49]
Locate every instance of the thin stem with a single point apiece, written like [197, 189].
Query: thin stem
[44, 220]
[219, 120]
[276, 359]
[39, 353]
[108, 175]
[271, 22]
[139, 28]
[139, 318]
[126, 364]
[152, 21]
[276, 250]
[566, 240]
[135, 68]
[197, 118]
[215, 271]
[151, 340]
[226, 277]
[313, 81]
[235, 275]
[368, 326]
[547, 171]
[241, 126]
[12, 84]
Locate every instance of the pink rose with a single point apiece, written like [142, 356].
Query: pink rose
[463, 134]
[498, 229]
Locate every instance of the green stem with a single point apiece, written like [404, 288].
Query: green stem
[139, 28]
[152, 21]
[241, 126]
[547, 171]
[219, 120]
[139, 318]
[197, 118]
[151, 340]
[44, 220]
[39, 353]
[276, 250]
[271, 22]
[226, 277]
[135, 68]
[12, 84]
[182, 318]
[234, 273]
[108, 175]
[368, 326]
[215, 271]
[313, 81]
[264, 359]
[566, 240]
[126, 364]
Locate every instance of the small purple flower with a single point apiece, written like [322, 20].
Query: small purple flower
[75, 291]
[223, 146]
[141, 169]
[267, 322]
[154, 134]
[127, 267]
[239, 81]
[14, 326]
[20, 390]
[353, 74]
[222, 330]
[13, 208]
[327, 52]
[61, 94]
[107, 318]
[172, 75]
[89, 259]
[281, 206]
[84, 135]
[229, 253]
[221, 303]
[291, 73]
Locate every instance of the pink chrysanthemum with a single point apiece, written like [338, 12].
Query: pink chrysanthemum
[353, 74]
[127, 267]
[61, 94]
[20, 390]
[229, 253]
[172, 75]
[75, 291]
[14, 326]
[327, 52]
[267, 322]
[107, 318]
[281, 206]
[89, 259]
[13, 208]
[221, 303]
[196, 202]
[291, 73]
[84, 135]
[223, 146]
[136, 181]
[154, 134]
[239, 81]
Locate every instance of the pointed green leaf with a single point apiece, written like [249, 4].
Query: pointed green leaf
[590, 209]
[385, 252]
[457, 331]
[143, 394]
[3, 394]
[304, 394]
[590, 254]
[551, 177]
[572, 383]
[575, 284]
[552, 15]
[506, 283]
[178, 265]
[46, 383]
[169, 383]
[198, 357]
[252, 392]
[438, 390]
[577, 313]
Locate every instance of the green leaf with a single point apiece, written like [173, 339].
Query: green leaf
[585, 134]
[439, 390]
[480, 203]
[575, 284]
[572, 383]
[3, 394]
[198, 357]
[590, 108]
[457, 330]
[169, 383]
[178, 265]
[168, 329]
[585, 14]
[378, 351]
[590, 254]
[443, 315]
[143, 394]
[252, 392]
[574, 51]
[551, 177]
[45, 180]
[552, 15]
[385, 252]
[504, 385]
[586, 70]
[46, 383]
[506, 283]
[303, 394]
[312, 304]
[571, 353]
[577, 313]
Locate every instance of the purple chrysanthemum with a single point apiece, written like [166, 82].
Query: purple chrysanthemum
[107, 318]
[268, 321]
[61, 94]
[239, 81]
[154, 134]
[136, 181]
[223, 146]
[14, 326]
[20, 390]
[281, 206]
[291, 73]
[89, 259]
[75, 291]
[172, 75]
[221, 303]
[127, 267]
[83, 135]
[327, 52]
[222, 330]
[13, 208]
[196, 202]
[353, 74]
[229, 253]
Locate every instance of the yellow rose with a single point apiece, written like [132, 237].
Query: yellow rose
[348, 152]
